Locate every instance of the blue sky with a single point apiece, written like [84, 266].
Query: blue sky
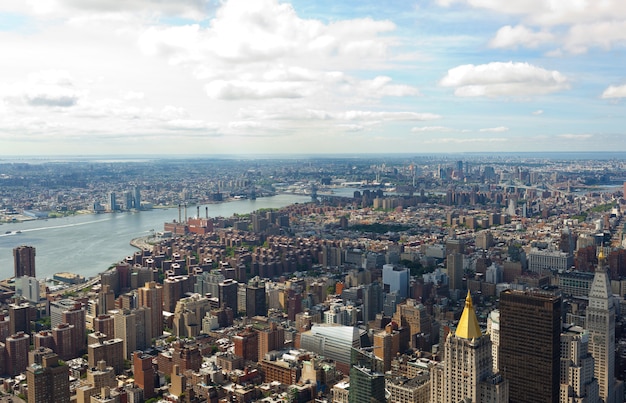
[266, 76]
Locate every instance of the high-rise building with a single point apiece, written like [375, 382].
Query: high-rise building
[112, 202]
[48, 381]
[272, 338]
[387, 344]
[413, 315]
[600, 323]
[111, 351]
[24, 261]
[255, 299]
[372, 301]
[530, 329]
[19, 318]
[247, 344]
[396, 279]
[151, 296]
[75, 316]
[63, 341]
[144, 373]
[227, 294]
[466, 372]
[137, 198]
[454, 265]
[578, 383]
[17, 347]
[367, 382]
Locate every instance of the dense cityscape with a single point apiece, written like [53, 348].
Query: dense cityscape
[417, 279]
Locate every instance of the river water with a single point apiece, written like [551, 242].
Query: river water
[89, 244]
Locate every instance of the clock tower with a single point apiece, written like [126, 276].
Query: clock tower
[600, 323]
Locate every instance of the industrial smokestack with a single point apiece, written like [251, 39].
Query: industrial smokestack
[198, 212]
[179, 218]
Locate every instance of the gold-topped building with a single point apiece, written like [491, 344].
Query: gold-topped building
[466, 372]
[468, 327]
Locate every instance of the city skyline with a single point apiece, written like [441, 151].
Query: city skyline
[283, 77]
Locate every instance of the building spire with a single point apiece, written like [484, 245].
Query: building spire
[468, 327]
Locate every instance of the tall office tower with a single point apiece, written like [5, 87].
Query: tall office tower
[48, 381]
[578, 383]
[128, 200]
[413, 315]
[396, 279]
[144, 373]
[367, 382]
[24, 261]
[17, 347]
[137, 198]
[151, 296]
[272, 338]
[75, 316]
[227, 294]
[530, 329]
[112, 201]
[255, 298]
[372, 301]
[454, 266]
[19, 318]
[466, 372]
[600, 323]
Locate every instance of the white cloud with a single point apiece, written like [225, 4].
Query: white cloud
[194, 9]
[456, 140]
[614, 91]
[395, 116]
[441, 129]
[233, 90]
[538, 112]
[575, 136]
[503, 79]
[513, 37]
[499, 129]
[586, 24]
[49, 88]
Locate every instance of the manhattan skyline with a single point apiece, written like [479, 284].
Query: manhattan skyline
[284, 77]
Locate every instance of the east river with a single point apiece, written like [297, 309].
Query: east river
[89, 244]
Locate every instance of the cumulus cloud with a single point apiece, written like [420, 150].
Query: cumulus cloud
[584, 24]
[513, 37]
[538, 112]
[237, 89]
[503, 79]
[195, 9]
[614, 91]
[49, 88]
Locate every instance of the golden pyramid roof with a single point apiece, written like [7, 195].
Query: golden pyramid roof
[468, 327]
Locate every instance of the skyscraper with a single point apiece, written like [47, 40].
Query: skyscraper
[600, 323]
[530, 329]
[151, 296]
[48, 381]
[454, 265]
[255, 298]
[24, 261]
[466, 372]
